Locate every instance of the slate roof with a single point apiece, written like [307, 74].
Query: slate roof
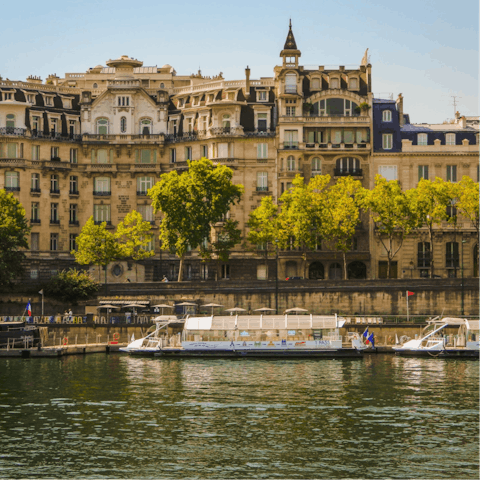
[290, 43]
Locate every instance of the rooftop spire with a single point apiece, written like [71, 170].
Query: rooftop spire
[290, 43]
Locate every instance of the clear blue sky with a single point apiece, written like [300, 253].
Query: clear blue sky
[425, 49]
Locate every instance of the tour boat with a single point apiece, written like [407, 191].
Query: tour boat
[433, 342]
[18, 335]
[262, 336]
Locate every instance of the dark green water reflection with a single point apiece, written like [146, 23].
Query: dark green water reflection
[113, 416]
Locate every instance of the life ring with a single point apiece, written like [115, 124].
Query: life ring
[116, 336]
[65, 340]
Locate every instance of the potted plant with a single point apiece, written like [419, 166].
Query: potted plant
[363, 108]
[307, 107]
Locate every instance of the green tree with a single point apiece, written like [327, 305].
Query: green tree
[341, 215]
[466, 193]
[96, 246]
[13, 237]
[302, 215]
[134, 235]
[71, 286]
[264, 227]
[391, 213]
[192, 203]
[429, 202]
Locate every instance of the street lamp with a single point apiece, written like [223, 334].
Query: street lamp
[463, 307]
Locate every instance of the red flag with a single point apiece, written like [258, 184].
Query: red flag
[410, 293]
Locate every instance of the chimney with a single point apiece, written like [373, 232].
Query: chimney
[463, 121]
[400, 109]
[457, 115]
[247, 82]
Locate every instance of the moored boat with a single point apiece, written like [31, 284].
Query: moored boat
[263, 336]
[434, 343]
[18, 335]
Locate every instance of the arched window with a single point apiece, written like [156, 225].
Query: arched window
[162, 85]
[316, 166]
[123, 125]
[335, 271]
[290, 83]
[95, 85]
[336, 107]
[226, 121]
[357, 271]
[10, 120]
[291, 163]
[102, 126]
[452, 259]
[347, 166]
[145, 126]
[316, 271]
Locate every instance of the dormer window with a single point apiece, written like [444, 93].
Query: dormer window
[353, 83]
[10, 120]
[450, 139]
[211, 98]
[8, 96]
[231, 96]
[123, 101]
[48, 101]
[226, 122]
[102, 126]
[315, 84]
[146, 126]
[262, 96]
[67, 103]
[422, 139]
[335, 83]
[387, 116]
[31, 98]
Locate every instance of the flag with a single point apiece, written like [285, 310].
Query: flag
[41, 292]
[396, 339]
[409, 294]
[29, 309]
[365, 333]
[371, 340]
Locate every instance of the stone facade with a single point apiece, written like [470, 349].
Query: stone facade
[93, 143]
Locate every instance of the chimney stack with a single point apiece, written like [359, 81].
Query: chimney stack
[400, 109]
[247, 82]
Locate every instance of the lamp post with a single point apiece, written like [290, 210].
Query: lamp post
[276, 277]
[463, 306]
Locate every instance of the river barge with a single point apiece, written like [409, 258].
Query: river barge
[434, 343]
[18, 335]
[291, 336]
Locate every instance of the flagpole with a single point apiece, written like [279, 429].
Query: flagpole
[407, 306]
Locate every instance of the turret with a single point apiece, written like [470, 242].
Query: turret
[290, 52]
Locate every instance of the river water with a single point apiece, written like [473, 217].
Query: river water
[114, 416]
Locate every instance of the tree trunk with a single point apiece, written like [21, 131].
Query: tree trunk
[136, 272]
[344, 265]
[430, 232]
[180, 269]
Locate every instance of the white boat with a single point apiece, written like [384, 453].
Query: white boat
[433, 341]
[154, 341]
[263, 336]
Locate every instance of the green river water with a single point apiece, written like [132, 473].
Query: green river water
[114, 416]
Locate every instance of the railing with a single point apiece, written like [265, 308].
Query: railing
[101, 193]
[260, 133]
[123, 83]
[354, 172]
[54, 221]
[187, 137]
[74, 222]
[56, 136]
[225, 131]
[99, 222]
[290, 145]
[36, 190]
[12, 189]
[290, 89]
[35, 220]
[12, 161]
[262, 189]
[73, 192]
[141, 193]
[324, 119]
[13, 131]
[55, 191]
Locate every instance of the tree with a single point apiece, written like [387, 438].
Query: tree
[264, 226]
[71, 286]
[302, 213]
[341, 215]
[134, 235]
[466, 193]
[96, 246]
[192, 203]
[391, 213]
[13, 237]
[429, 202]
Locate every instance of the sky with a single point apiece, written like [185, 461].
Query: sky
[425, 49]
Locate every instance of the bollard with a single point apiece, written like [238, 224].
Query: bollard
[76, 339]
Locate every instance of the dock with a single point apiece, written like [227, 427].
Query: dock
[60, 351]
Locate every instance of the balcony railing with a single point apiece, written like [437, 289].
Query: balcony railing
[54, 221]
[290, 145]
[73, 222]
[262, 189]
[142, 193]
[35, 221]
[12, 189]
[20, 132]
[261, 133]
[35, 190]
[56, 136]
[55, 191]
[354, 172]
[226, 131]
[73, 192]
[99, 222]
[101, 193]
[290, 89]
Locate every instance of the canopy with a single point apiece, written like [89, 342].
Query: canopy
[163, 305]
[186, 304]
[295, 309]
[264, 309]
[235, 309]
[108, 306]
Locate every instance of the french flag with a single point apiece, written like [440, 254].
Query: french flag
[371, 340]
[29, 309]
[365, 335]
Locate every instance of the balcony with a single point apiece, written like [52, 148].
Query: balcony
[35, 190]
[107, 222]
[73, 192]
[12, 189]
[261, 133]
[18, 132]
[186, 137]
[56, 136]
[323, 119]
[74, 223]
[290, 145]
[54, 191]
[101, 193]
[123, 138]
[262, 189]
[54, 221]
[12, 162]
[339, 172]
[142, 193]
[226, 131]
[35, 221]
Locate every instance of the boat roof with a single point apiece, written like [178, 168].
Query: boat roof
[12, 323]
[471, 324]
[263, 322]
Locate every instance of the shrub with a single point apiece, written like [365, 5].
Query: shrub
[71, 286]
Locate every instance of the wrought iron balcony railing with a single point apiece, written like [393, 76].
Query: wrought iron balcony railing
[35, 220]
[12, 189]
[13, 131]
[101, 193]
[354, 172]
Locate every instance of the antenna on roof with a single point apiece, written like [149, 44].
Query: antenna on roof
[455, 103]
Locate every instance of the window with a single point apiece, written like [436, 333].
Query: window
[101, 186]
[387, 116]
[73, 219]
[226, 122]
[143, 184]
[35, 152]
[261, 272]
[35, 185]
[73, 242]
[423, 249]
[204, 151]
[36, 125]
[262, 181]
[291, 139]
[145, 126]
[55, 153]
[72, 124]
[387, 140]
[102, 156]
[451, 173]
[34, 241]
[316, 166]
[48, 101]
[54, 184]
[95, 85]
[123, 125]
[101, 213]
[54, 125]
[353, 84]
[31, 98]
[422, 139]
[451, 255]
[10, 123]
[262, 122]
[452, 209]
[291, 163]
[102, 126]
[35, 217]
[145, 156]
[67, 103]
[335, 83]
[290, 111]
[315, 84]
[262, 96]
[8, 96]
[422, 172]
[54, 213]
[389, 172]
[12, 150]
[262, 150]
[150, 247]
[53, 242]
[173, 155]
[123, 101]
[290, 83]
[74, 155]
[73, 185]
[347, 165]
[203, 271]
[188, 153]
[12, 181]
[222, 150]
[225, 271]
[450, 139]
[146, 211]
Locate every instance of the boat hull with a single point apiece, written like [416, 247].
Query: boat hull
[18, 335]
[448, 353]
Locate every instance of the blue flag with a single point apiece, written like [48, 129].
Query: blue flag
[371, 340]
[29, 309]
[365, 333]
